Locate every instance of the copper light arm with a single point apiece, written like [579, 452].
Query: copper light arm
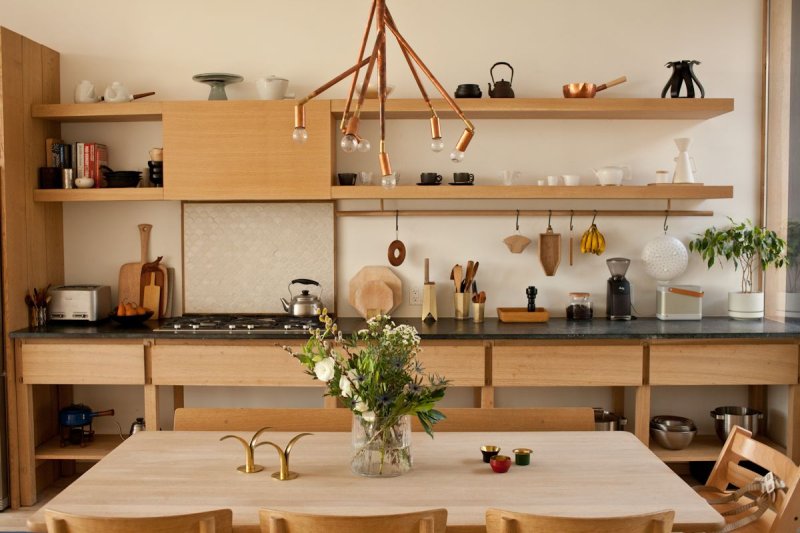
[372, 59]
[404, 44]
[334, 81]
[382, 69]
[360, 55]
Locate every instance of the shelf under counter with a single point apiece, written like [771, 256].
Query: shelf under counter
[99, 195]
[702, 448]
[95, 450]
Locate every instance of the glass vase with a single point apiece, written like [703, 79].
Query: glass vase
[381, 446]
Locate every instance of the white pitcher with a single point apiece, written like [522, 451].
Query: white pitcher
[684, 164]
[612, 175]
[84, 93]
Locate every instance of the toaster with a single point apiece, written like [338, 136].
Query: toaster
[89, 303]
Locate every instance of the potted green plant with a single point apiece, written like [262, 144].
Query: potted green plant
[793, 276]
[747, 246]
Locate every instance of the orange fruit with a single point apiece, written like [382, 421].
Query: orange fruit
[129, 310]
[121, 310]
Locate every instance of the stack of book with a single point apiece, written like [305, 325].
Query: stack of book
[89, 158]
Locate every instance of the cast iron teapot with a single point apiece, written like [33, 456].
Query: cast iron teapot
[303, 304]
[502, 88]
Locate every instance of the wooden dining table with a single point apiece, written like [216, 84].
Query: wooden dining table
[585, 474]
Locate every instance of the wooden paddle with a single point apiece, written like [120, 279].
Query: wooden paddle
[130, 273]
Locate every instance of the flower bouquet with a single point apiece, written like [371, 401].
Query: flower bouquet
[376, 374]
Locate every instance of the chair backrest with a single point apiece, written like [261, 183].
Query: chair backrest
[514, 419]
[500, 521]
[430, 521]
[216, 521]
[740, 446]
[250, 419]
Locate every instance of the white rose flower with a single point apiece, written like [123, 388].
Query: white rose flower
[324, 369]
[345, 386]
[368, 416]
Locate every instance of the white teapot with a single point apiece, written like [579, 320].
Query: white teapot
[116, 92]
[84, 93]
[272, 88]
[612, 175]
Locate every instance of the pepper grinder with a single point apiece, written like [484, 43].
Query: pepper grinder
[531, 292]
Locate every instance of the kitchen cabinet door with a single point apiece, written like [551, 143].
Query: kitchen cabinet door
[244, 151]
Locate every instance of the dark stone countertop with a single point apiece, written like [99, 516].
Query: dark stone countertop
[449, 328]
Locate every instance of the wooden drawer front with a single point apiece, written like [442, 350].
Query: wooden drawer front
[729, 364]
[83, 364]
[464, 366]
[228, 365]
[544, 366]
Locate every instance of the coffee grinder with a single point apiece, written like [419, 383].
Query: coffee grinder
[618, 295]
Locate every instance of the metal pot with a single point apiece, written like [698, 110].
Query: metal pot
[79, 415]
[303, 304]
[727, 417]
[607, 421]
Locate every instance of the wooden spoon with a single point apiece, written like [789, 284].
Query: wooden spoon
[458, 273]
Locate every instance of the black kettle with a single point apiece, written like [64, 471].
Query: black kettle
[502, 88]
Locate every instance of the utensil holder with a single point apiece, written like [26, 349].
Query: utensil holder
[477, 311]
[38, 316]
[461, 304]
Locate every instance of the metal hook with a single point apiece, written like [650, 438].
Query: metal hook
[571, 214]
[549, 216]
[666, 216]
[595, 216]
[517, 219]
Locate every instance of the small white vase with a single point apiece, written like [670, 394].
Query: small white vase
[746, 305]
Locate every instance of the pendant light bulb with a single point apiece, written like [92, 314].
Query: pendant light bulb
[363, 145]
[437, 145]
[300, 135]
[349, 143]
[456, 156]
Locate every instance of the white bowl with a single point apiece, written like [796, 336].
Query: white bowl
[571, 180]
[84, 183]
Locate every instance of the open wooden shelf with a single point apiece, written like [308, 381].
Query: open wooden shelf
[98, 195]
[100, 112]
[702, 448]
[553, 108]
[93, 451]
[516, 192]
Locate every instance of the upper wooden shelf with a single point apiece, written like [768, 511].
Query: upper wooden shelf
[515, 192]
[98, 195]
[100, 112]
[553, 108]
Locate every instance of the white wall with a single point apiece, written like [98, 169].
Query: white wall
[158, 46]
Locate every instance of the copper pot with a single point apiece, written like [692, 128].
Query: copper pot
[588, 90]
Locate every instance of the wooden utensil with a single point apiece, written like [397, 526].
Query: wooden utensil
[550, 250]
[152, 296]
[457, 277]
[153, 274]
[130, 273]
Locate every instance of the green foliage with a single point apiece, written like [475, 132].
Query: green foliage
[743, 244]
[375, 372]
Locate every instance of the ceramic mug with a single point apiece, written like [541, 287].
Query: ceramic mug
[463, 177]
[571, 180]
[272, 88]
[430, 178]
[84, 93]
[553, 180]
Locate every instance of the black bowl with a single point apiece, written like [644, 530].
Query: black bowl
[132, 320]
[122, 178]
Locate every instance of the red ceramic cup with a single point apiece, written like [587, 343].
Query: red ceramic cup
[500, 463]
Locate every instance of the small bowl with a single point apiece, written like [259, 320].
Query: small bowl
[522, 456]
[84, 183]
[489, 451]
[672, 440]
[130, 320]
[500, 463]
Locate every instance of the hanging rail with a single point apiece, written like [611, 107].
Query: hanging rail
[524, 212]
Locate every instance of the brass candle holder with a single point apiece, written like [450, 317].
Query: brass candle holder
[250, 466]
[284, 474]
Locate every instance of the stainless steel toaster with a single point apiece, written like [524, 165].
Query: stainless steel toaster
[89, 303]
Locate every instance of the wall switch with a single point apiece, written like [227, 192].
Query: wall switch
[415, 296]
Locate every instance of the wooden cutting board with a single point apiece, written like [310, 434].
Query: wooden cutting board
[154, 280]
[130, 274]
[374, 297]
[377, 273]
[550, 251]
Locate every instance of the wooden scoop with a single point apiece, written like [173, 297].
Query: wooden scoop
[550, 251]
[588, 90]
[517, 243]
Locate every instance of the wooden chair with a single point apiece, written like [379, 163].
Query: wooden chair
[430, 521]
[500, 521]
[784, 515]
[514, 419]
[216, 521]
[251, 419]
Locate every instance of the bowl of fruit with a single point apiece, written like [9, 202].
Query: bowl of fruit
[130, 314]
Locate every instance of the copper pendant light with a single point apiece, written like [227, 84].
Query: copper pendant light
[351, 141]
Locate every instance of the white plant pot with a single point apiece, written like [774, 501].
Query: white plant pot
[790, 305]
[746, 305]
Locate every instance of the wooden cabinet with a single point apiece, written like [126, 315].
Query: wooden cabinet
[244, 151]
[83, 363]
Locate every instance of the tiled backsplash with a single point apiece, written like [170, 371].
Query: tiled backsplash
[240, 257]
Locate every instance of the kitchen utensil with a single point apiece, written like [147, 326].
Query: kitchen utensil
[466, 284]
[85, 93]
[137, 426]
[116, 93]
[672, 423]
[120, 178]
[468, 90]
[477, 310]
[682, 73]
[79, 415]
[272, 88]
[429, 310]
[612, 175]
[521, 314]
[588, 90]
[502, 88]
[571, 227]
[531, 293]
[458, 276]
[397, 250]
[303, 304]
[727, 417]
[605, 420]
[516, 243]
[461, 305]
[130, 273]
[78, 302]
[665, 258]
[381, 273]
[374, 298]
[571, 180]
[684, 163]
[550, 250]
[152, 294]
[672, 440]
[618, 290]
[217, 81]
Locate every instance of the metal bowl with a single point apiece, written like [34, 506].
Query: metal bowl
[605, 420]
[672, 423]
[672, 440]
[727, 417]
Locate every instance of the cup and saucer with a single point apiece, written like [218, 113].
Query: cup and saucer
[429, 179]
[462, 178]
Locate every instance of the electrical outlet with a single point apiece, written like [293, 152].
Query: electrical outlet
[415, 296]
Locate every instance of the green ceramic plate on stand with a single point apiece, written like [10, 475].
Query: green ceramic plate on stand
[217, 81]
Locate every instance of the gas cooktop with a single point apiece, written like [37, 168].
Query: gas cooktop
[238, 324]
